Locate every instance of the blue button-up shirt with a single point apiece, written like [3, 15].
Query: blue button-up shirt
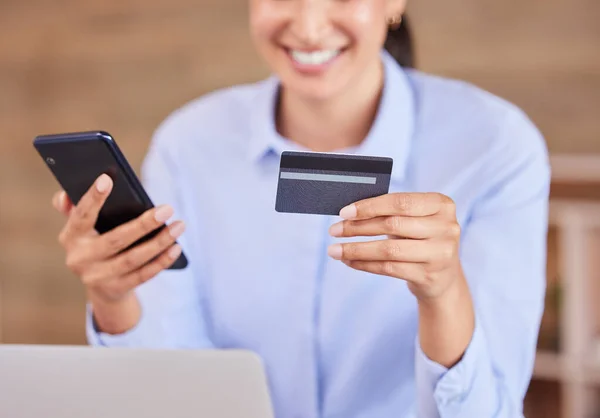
[336, 342]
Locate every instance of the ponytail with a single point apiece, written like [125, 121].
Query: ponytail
[399, 44]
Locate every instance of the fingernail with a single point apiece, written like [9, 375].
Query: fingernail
[163, 213]
[177, 229]
[349, 212]
[335, 251]
[174, 251]
[336, 230]
[103, 183]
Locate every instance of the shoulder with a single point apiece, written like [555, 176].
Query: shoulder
[462, 107]
[454, 113]
[223, 114]
[476, 134]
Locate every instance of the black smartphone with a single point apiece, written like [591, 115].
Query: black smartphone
[77, 159]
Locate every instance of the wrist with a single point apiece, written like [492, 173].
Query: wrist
[446, 324]
[114, 316]
[98, 294]
[446, 302]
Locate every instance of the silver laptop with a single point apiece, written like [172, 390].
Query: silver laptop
[86, 382]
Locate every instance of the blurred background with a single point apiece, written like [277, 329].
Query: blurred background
[123, 65]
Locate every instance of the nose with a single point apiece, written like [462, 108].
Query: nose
[310, 23]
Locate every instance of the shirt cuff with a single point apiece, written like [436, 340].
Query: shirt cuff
[440, 388]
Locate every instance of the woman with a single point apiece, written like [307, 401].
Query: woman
[387, 310]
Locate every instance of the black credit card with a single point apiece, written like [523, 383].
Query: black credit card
[323, 183]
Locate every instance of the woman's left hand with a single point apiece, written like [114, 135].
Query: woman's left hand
[422, 242]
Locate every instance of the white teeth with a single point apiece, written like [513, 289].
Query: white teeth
[315, 57]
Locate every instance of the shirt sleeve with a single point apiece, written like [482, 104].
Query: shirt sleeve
[171, 302]
[503, 254]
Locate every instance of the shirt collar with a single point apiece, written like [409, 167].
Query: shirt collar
[390, 134]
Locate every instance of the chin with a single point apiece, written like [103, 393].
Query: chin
[318, 88]
[314, 90]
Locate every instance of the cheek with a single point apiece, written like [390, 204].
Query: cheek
[264, 20]
[364, 14]
[365, 20]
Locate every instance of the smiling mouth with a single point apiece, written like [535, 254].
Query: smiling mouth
[314, 58]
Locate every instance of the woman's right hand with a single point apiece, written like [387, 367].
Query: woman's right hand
[109, 273]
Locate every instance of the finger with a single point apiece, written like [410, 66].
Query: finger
[138, 256]
[150, 270]
[404, 204]
[411, 272]
[408, 250]
[84, 215]
[123, 236]
[62, 203]
[399, 226]
[141, 254]
[55, 201]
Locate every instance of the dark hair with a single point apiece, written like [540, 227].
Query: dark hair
[399, 44]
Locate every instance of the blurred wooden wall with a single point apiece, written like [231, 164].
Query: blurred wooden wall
[70, 65]
[122, 66]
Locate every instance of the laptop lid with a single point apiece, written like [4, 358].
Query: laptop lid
[89, 382]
